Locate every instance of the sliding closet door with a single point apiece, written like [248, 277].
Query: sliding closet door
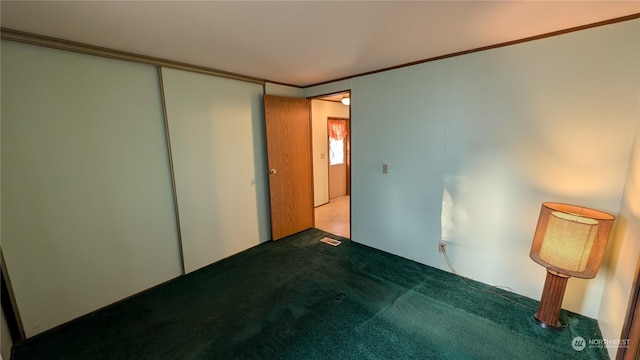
[216, 130]
[87, 207]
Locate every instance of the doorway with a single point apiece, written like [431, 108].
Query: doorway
[332, 163]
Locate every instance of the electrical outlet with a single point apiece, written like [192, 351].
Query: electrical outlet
[442, 247]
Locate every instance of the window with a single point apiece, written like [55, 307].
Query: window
[336, 151]
[337, 131]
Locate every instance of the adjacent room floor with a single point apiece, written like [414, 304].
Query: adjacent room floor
[298, 298]
[334, 217]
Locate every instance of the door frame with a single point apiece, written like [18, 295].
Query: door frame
[631, 327]
[319, 97]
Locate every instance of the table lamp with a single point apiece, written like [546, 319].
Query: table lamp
[569, 241]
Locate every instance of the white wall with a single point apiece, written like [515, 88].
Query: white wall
[283, 90]
[624, 255]
[87, 210]
[397, 119]
[216, 126]
[550, 120]
[476, 142]
[328, 88]
[320, 111]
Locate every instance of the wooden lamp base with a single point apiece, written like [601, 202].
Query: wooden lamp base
[551, 301]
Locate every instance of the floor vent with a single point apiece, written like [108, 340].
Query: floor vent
[330, 241]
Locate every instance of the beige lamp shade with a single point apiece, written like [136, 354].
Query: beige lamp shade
[571, 239]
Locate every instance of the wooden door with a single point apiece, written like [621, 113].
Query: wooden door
[288, 130]
[337, 181]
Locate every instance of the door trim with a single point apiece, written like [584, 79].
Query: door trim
[631, 327]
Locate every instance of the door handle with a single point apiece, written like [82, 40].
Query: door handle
[273, 171]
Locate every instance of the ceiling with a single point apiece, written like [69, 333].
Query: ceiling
[302, 42]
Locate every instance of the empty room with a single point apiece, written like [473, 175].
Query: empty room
[320, 179]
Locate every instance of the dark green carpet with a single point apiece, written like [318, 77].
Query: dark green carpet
[298, 299]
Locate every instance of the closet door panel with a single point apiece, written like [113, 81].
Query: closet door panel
[216, 129]
[87, 207]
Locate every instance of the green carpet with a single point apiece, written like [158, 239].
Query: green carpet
[298, 299]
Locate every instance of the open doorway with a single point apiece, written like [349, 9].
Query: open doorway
[332, 163]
